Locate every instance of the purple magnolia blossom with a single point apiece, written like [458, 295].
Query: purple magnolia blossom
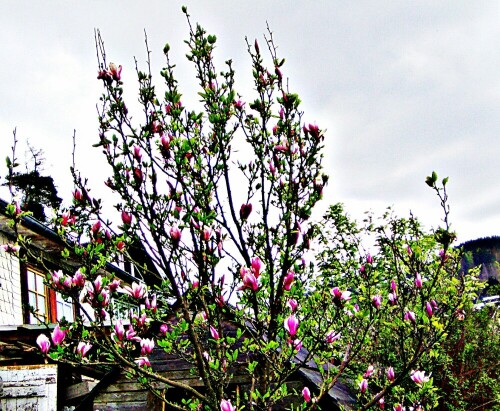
[418, 280]
[225, 405]
[390, 374]
[10, 248]
[293, 304]
[147, 346]
[428, 309]
[249, 281]
[58, 335]
[296, 344]
[131, 334]
[126, 218]
[245, 211]
[119, 330]
[369, 371]
[44, 343]
[214, 333]
[410, 316]
[306, 394]
[363, 385]
[83, 348]
[419, 377]
[392, 298]
[288, 280]
[377, 301]
[256, 266]
[291, 325]
[331, 336]
[175, 234]
[143, 362]
[78, 279]
[137, 290]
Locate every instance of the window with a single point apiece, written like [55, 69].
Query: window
[64, 308]
[37, 297]
[48, 305]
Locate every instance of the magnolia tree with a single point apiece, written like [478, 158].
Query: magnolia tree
[221, 199]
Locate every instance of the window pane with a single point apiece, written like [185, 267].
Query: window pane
[41, 304]
[32, 299]
[64, 308]
[31, 280]
[40, 287]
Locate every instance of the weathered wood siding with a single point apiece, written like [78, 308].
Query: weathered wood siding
[10, 288]
[29, 388]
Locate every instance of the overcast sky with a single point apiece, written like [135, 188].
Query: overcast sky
[402, 87]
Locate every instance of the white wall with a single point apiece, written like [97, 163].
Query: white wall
[11, 312]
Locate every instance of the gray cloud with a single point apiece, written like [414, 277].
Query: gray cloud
[403, 88]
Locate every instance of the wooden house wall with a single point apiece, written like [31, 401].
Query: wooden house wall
[28, 388]
[10, 288]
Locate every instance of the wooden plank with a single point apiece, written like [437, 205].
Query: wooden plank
[79, 390]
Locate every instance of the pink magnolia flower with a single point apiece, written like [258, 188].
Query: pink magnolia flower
[291, 325]
[68, 281]
[214, 333]
[147, 346]
[288, 280]
[245, 211]
[419, 377]
[410, 316]
[44, 343]
[143, 362]
[292, 303]
[115, 72]
[113, 285]
[369, 259]
[296, 344]
[137, 153]
[306, 394]
[77, 196]
[126, 218]
[393, 298]
[249, 281]
[137, 290]
[10, 248]
[78, 279]
[390, 374]
[56, 277]
[369, 371]
[341, 295]
[175, 235]
[83, 348]
[381, 403]
[120, 246]
[206, 234]
[131, 334]
[57, 335]
[418, 280]
[98, 284]
[428, 308]
[119, 330]
[164, 328]
[363, 385]
[256, 266]
[331, 336]
[399, 407]
[225, 405]
[377, 301]
[239, 104]
[393, 286]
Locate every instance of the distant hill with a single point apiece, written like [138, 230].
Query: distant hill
[484, 252]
